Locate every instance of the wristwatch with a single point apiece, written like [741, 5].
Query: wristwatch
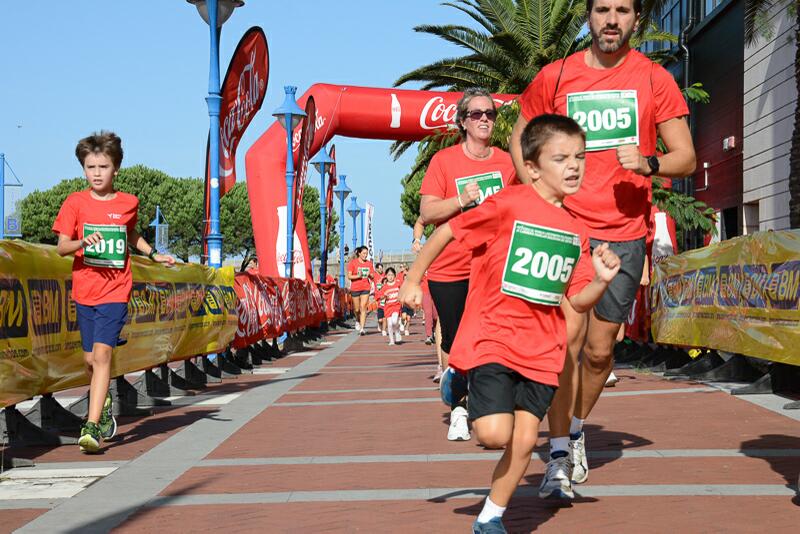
[152, 253]
[652, 162]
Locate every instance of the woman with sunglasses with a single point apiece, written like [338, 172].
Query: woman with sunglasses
[459, 178]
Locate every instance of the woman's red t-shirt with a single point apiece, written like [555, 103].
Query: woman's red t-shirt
[367, 271]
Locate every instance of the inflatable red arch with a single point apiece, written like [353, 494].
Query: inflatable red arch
[362, 112]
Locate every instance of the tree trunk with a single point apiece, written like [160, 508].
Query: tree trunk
[794, 161]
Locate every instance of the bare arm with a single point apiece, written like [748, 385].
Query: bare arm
[144, 247]
[680, 159]
[435, 210]
[66, 245]
[606, 266]
[419, 229]
[410, 292]
[515, 148]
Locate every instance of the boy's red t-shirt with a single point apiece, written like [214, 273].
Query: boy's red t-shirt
[390, 294]
[612, 202]
[363, 283]
[97, 285]
[500, 328]
[447, 166]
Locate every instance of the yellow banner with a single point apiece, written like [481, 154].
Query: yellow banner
[174, 313]
[740, 295]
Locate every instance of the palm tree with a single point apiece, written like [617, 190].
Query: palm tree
[514, 40]
[756, 24]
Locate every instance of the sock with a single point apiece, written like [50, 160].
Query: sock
[558, 445]
[575, 428]
[490, 511]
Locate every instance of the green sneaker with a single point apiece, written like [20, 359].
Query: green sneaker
[108, 425]
[90, 439]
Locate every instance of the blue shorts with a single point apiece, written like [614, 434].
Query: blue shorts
[101, 323]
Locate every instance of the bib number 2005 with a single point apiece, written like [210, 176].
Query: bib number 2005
[542, 265]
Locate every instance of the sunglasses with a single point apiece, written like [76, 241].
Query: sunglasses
[476, 114]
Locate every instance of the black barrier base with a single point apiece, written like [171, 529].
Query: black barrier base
[794, 405]
[760, 386]
[663, 359]
[735, 369]
[781, 378]
[642, 351]
[187, 376]
[229, 368]
[241, 359]
[703, 364]
[49, 414]
[17, 431]
[253, 355]
[211, 369]
[275, 350]
[12, 463]
[153, 386]
[128, 399]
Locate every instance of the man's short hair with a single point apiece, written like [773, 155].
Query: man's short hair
[637, 6]
[540, 129]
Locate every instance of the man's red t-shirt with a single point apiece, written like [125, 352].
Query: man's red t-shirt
[390, 294]
[97, 285]
[446, 167]
[612, 202]
[500, 328]
[367, 271]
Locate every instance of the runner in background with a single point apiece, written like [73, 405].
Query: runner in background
[459, 178]
[360, 272]
[389, 294]
[406, 312]
[380, 279]
[624, 102]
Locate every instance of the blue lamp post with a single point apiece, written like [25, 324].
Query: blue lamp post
[291, 114]
[354, 210]
[319, 162]
[215, 13]
[341, 191]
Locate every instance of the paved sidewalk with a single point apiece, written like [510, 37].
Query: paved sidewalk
[351, 438]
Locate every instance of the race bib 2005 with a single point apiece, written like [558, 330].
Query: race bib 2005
[111, 251]
[488, 184]
[609, 118]
[539, 263]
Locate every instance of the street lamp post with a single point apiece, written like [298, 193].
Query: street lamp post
[215, 13]
[319, 162]
[291, 114]
[341, 191]
[354, 211]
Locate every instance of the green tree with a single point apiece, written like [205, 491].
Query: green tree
[512, 41]
[757, 24]
[311, 215]
[38, 210]
[236, 226]
[181, 203]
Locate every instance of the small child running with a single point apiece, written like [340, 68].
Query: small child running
[389, 295]
[527, 254]
[98, 225]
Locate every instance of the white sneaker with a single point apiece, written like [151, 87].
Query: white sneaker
[383, 332]
[358, 326]
[391, 343]
[556, 483]
[577, 452]
[612, 380]
[397, 337]
[459, 429]
[407, 332]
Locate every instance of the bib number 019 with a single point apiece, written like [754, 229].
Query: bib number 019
[596, 120]
[542, 265]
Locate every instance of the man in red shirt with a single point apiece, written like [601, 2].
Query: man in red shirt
[624, 102]
[527, 255]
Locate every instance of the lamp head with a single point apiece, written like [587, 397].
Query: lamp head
[289, 107]
[224, 9]
[322, 158]
[341, 190]
[354, 208]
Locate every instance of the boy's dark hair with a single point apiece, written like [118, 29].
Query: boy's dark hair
[378, 265]
[390, 269]
[102, 142]
[637, 6]
[540, 129]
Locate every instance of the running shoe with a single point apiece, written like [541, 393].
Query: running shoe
[90, 439]
[429, 340]
[556, 483]
[459, 429]
[438, 375]
[383, 332]
[397, 337]
[452, 387]
[612, 380]
[577, 449]
[391, 343]
[407, 332]
[107, 424]
[494, 526]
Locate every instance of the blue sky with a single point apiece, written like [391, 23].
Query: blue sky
[140, 68]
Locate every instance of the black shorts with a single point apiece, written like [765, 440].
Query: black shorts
[380, 313]
[408, 311]
[449, 299]
[617, 301]
[359, 293]
[494, 388]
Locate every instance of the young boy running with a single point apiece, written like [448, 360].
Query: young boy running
[527, 254]
[97, 225]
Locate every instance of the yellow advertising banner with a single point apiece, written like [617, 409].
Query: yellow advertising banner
[740, 295]
[173, 314]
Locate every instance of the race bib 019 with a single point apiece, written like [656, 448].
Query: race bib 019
[488, 184]
[111, 251]
[539, 263]
[609, 118]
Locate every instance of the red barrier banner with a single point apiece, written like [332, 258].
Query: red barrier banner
[260, 308]
[242, 92]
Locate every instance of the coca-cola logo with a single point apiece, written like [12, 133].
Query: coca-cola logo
[249, 90]
[299, 132]
[436, 114]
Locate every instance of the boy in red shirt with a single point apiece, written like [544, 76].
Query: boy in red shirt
[527, 254]
[97, 225]
[389, 294]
